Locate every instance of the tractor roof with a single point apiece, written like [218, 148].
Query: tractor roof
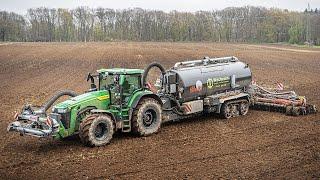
[121, 71]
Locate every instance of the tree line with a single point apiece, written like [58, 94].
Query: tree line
[235, 24]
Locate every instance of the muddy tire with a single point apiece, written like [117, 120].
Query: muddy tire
[244, 108]
[96, 130]
[296, 111]
[289, 110]
[226, 110]
[146, 118]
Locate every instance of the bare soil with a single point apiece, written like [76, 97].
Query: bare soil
[260, 145]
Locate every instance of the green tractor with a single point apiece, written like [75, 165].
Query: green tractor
[119, 102]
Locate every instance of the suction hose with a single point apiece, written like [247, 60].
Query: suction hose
[54, 98]
[163, 71]
[148, 68]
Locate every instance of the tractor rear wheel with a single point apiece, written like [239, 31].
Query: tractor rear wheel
[96, 130]
[147, 118]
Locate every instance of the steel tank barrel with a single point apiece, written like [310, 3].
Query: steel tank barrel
[200, 78]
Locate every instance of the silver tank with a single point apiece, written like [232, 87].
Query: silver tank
[200, 78]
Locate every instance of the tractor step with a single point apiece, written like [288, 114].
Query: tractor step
[126, 125]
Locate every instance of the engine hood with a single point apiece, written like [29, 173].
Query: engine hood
[94, 98]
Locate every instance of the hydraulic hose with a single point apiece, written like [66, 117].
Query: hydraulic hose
[276, 93]
[163, 71]
[148, 68]
[54, 98]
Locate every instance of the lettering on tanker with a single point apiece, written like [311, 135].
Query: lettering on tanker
[218, 82]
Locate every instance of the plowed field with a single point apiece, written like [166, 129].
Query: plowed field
[259, 145]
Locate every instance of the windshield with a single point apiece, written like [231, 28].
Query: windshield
[107, 82]
[120, 87]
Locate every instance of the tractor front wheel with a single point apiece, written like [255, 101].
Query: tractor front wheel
[147, 117]
[96, 130]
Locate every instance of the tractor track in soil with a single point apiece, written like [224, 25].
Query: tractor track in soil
[259, 145]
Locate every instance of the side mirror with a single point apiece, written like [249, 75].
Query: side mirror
[116, 79]
[93, 86]
[89, 76]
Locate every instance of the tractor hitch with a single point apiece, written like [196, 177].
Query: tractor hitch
[35, 123]
[26, 129]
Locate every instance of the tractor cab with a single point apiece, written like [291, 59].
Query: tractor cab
[120, 83]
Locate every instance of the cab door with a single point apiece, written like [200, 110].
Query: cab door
[130, 84]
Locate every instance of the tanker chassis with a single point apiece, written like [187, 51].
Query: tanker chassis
[124, 101]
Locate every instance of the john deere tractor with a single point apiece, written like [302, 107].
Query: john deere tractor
[119, 101]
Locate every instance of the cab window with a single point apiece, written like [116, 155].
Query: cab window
[131, 83]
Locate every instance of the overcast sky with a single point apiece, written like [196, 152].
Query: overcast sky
[21, 6]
